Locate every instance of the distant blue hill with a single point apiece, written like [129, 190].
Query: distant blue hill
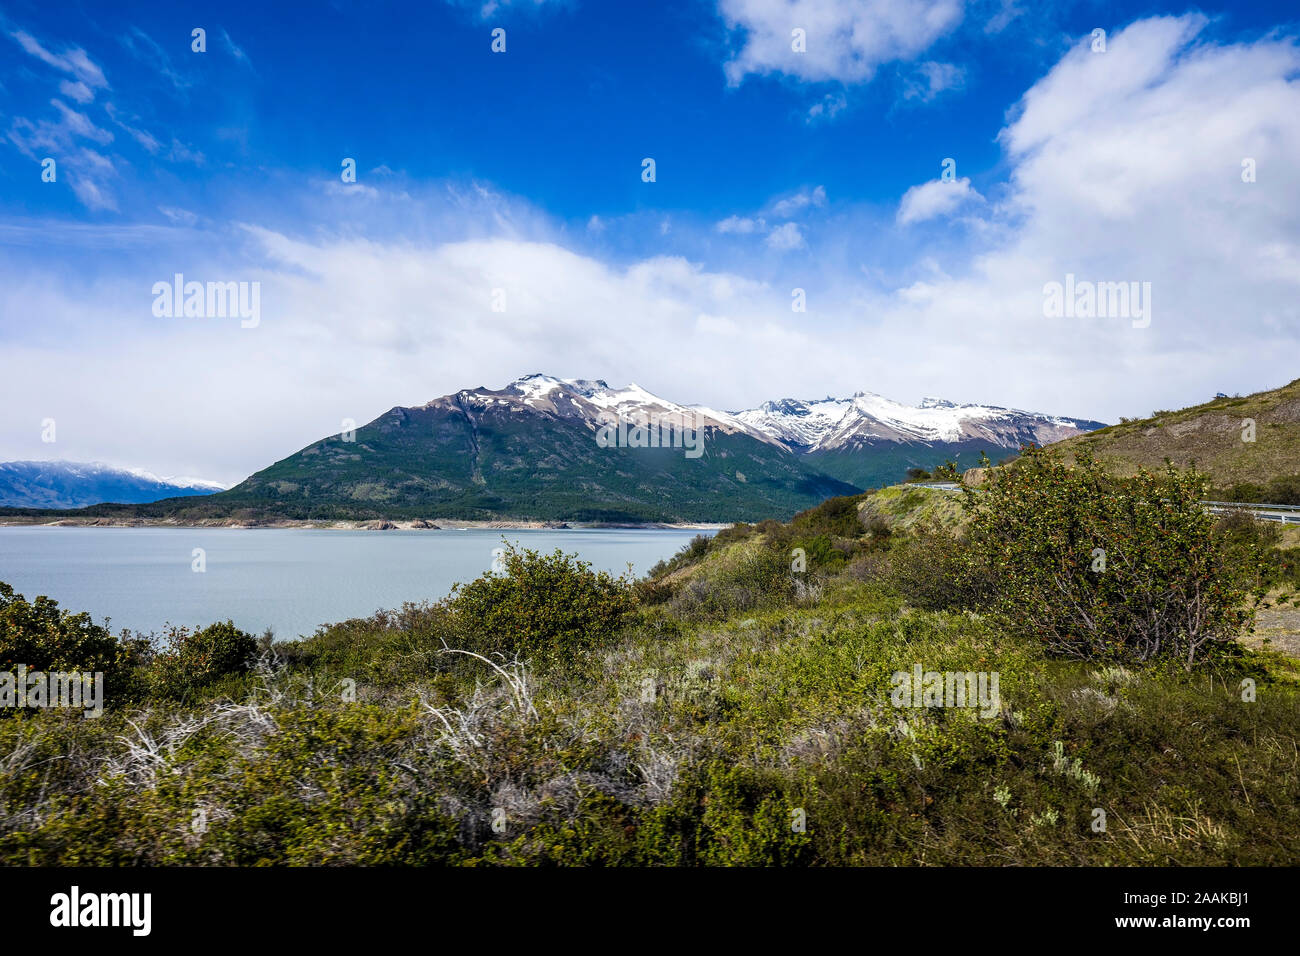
[71, 484]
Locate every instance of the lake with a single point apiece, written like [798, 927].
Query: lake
[288, 580]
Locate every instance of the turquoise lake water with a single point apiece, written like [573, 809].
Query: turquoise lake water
[290, 581]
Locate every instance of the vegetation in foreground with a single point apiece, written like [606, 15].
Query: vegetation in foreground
[732, 708]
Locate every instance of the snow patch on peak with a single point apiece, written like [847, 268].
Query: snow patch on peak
[534, 386]
[798, 424]
[177, 481]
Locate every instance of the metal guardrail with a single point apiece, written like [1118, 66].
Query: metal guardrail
[1251, 505]
[1282, 514]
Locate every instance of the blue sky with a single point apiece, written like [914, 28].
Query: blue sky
[521, 171]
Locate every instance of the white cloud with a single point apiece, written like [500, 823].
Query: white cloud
[1123, 166]
[846, 40]
[181, 153]
[147, 50]
[489, 8]
[76, 90]
[91, 195]
[79, 124]
[236, 51]
[1003, 18]
[72, 60]
[351, 327]
[931, 78]
[1126, 167]
[182, 217]
[85, 170]
[786, 237]
[828, 107]
[805, 198]
[935, 198]
[146, 139]
[717, 325]
[740, 225]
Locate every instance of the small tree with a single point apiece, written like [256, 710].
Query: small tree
[192, 660]
[545, 607]
[948, 471]
[1099, 567]
[42, 637]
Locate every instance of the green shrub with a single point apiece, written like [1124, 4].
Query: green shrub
[740, 531]
[834, 516]
[1282, 490]
[932, 570]
[546, 608]
[760, 578]
[1099, 567]
[822, 552]
[948, 471]
[42, 637]
[691, 553]
[192, 660]
[1248, 538]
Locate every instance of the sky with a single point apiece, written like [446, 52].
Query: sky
[916, 174]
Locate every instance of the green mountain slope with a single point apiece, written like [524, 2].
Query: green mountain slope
[464, 457]
[886, 463]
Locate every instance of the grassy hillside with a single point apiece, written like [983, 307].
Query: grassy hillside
[726, 710]
[903, 508]
[1211, 436]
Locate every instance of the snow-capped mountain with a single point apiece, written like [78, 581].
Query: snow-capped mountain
[597, 403]
[866, 440]
[71, 484]
[867, 419]
[805, 427]
[543, 448]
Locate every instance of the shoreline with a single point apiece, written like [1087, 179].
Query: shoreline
[376, 524]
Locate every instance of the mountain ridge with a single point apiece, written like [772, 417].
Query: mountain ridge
[836, 419]
[70, 484]
[545, 448]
